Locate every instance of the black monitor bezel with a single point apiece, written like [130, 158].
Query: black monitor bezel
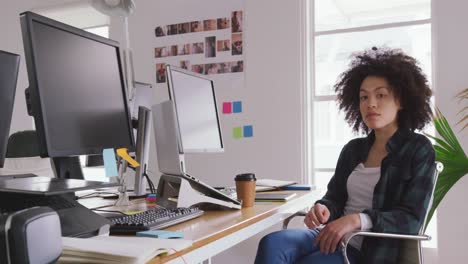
[170, 87]
[34, 97]
[9, 113]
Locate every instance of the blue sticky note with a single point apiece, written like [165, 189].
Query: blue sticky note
[237, 107]
[248, 131]
[110, 163]
[160, 234]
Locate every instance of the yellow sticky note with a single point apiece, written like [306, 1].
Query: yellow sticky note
[133, 212]
[123, 153]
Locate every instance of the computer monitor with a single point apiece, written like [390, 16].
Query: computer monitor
[196, 111]
[187, 123]
[9, 64]
[76, 92]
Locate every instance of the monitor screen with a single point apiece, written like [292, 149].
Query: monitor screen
[76, 89]
[9, 64]
[195, 107]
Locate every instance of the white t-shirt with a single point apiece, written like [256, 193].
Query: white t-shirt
[360, 186]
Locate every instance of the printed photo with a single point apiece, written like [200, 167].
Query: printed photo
[159, 32]
[196, 26]
[237, 66]
[236, 21]
[210, 44]
[172, 29]
[209, 24]
[198, 68]
[237, 44]
[172, 50]
[185, 64]
[211, 68]
[197, 48]
[224, 67]
[223, 23]
[183, 49]
[160, 52]
[224, 45]
[183, 28]
[160, 72]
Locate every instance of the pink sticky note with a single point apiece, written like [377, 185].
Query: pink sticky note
[227, 107]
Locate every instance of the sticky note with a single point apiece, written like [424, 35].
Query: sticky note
[237, 107]
[248, 131]
[160, 234]
[227, 108]
[110, 163]
[133, 212]
[123, 153]
[237, 132]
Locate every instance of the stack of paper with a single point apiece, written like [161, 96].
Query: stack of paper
[274, 197]
[269, 184]
[110, 249]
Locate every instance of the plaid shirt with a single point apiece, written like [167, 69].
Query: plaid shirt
[401, 196]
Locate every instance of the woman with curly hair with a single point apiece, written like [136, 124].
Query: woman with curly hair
[383, 181]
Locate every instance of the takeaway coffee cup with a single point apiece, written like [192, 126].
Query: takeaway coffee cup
[245, 188]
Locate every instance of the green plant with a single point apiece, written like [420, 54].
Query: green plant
[448, 151]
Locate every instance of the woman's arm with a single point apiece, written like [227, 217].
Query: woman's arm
[336, 196]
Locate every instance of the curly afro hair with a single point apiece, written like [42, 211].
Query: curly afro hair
[407, 82]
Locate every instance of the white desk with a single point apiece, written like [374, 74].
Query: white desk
[217, 231]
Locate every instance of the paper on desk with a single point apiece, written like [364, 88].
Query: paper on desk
[110, 249]
[274, 183]
[110, 163]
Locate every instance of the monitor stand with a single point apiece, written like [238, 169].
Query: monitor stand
[67, 167]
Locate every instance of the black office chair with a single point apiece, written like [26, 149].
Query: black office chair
[23, 144]
[411, 250]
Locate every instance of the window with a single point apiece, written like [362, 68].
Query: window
[339, 28]
[102, 31]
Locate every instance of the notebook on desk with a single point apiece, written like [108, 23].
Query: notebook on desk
[271, 185]
[273, 197]
[109, 249]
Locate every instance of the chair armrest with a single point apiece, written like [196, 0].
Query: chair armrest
[349, 236]
[289, 218]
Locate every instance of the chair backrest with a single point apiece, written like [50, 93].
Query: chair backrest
[438, 169]
[411, 251]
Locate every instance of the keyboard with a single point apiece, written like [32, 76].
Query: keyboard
[152, 219]
[11, 202]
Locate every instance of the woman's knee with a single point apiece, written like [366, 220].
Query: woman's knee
[286, 237]
[272, 239]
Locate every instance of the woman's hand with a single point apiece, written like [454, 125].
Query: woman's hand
[334, 232]
[316, 216]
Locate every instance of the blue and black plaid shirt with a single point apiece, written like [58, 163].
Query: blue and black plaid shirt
[401, 196]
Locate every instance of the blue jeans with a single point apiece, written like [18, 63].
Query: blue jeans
[297, 246]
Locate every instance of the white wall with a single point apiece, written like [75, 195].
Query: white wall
[270, 93]
[451, 43]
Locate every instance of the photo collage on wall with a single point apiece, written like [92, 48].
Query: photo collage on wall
[208, 47]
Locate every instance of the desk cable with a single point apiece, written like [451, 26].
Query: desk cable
[145, 174]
